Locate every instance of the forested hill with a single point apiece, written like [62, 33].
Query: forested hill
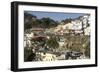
[46, 22]
[32, 21]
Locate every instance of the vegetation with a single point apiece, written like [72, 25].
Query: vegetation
[32, 21]
[28, 20]
[27, 53]
[52, 43]
[67, 20]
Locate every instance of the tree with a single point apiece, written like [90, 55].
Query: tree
[27, 53]
[47, 22]
[68, 20]
[52, 43]
[87, 51]
[83, 28]
[28, 20]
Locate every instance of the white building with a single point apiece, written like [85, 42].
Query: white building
[75, 25]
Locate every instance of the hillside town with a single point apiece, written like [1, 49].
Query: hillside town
[47, 40]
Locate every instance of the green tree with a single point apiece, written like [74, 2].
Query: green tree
[87, 51]
[48, 22]
[52, 43]
[27, 52]
[28, 20]
[68, 20]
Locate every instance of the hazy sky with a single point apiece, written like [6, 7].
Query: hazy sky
[57, 16]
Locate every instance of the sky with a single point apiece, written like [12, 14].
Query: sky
[57, 16]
